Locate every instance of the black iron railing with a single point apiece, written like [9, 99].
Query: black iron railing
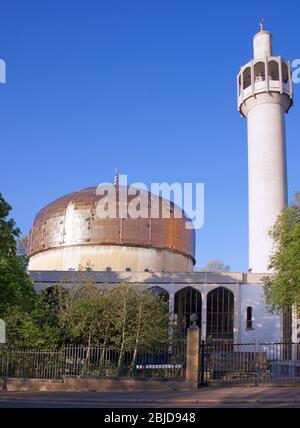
[162, 361]
[220, 362]
[226, 362]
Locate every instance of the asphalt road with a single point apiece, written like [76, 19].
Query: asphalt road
[230, 397]
[57, 405]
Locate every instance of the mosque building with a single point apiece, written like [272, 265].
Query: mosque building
[159, 253]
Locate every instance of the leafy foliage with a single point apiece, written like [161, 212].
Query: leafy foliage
[215, 266]
[8, 231]
[20, 307]
[282, 290]
[24, 330]
[16, 288]
[121, 316]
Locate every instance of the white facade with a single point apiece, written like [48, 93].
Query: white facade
[246, 288]
[117, 257]
[266, 326]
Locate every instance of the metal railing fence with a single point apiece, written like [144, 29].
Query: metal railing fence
[162, 361]
[226, 362]
[220, 362]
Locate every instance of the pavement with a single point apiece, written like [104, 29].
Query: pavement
[282, 396]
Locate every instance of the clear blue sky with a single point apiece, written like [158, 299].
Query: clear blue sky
[148, 86]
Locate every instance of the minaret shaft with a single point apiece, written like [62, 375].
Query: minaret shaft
[264, 96]
[267, 178]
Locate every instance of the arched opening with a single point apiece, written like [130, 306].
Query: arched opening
[247, 77]
[220, 314]
[159, 292]
[273, 70]
[188, 301]
[285, 72]
[259, 72]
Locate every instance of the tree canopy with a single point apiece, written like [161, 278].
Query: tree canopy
[16, 288]
[282, 289]
[8, 230]
[122, 316]
[215, 266]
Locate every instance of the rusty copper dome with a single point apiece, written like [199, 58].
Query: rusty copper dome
[72, 221]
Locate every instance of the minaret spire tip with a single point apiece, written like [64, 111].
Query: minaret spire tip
[262, 25]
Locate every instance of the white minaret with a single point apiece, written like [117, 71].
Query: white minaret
[265, 94]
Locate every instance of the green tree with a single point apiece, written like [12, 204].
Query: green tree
[25, 330]
[8, 230]
[152, 324]
[83, 318]
[16, 288]
[215, 266]
[137, 319]
[76, 310]
[26, 314]
[282, 289]
[122, 317]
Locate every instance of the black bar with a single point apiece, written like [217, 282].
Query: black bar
[202, 372]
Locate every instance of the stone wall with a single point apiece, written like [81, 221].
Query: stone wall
[89, 384]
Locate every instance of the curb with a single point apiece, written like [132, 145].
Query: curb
[153, 401]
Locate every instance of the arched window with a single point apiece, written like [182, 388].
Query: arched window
[160, 292]
[259, 72]
[240, 84]
[188, 301]
[128, 269]
[249, 318]
[273, 70]
[285, 72]
[220, 314]
[247, 77]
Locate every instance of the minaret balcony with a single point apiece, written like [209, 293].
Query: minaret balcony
[269, 74]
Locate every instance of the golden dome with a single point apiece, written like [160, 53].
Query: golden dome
[72, 221]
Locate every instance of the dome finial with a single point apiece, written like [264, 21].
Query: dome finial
[116, 179]
[262, 25]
